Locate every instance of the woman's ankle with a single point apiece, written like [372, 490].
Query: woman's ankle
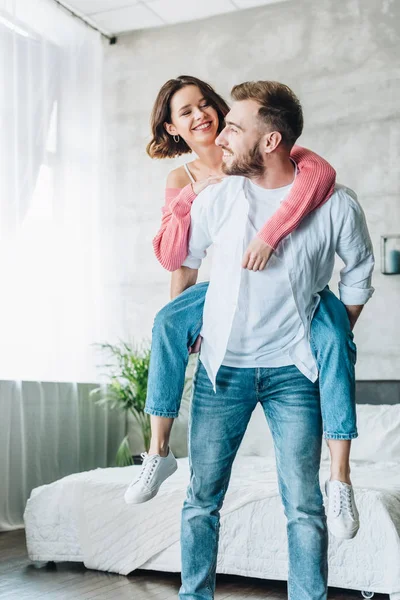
[341, 474]
[160, 449]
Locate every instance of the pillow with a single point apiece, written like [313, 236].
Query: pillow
[378, 434]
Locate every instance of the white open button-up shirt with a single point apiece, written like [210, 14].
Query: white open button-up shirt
[219, 216]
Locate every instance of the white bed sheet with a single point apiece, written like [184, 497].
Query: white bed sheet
[83, 518]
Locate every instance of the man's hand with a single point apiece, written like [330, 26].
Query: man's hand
[196, 346]
[257, 255]
[353, 312]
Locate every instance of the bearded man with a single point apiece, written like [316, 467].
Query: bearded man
[256, 325]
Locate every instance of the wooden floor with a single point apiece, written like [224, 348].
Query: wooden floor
[21, 580]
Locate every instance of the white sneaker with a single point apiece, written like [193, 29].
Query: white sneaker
[155, 470]
[343, 519]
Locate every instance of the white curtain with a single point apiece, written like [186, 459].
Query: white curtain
[49, 430]
[51, 209]
[52, 251]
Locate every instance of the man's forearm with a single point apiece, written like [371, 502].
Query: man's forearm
[182, 279]
[353, 311]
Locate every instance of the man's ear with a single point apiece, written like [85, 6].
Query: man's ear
[169, 128]
[271, 141]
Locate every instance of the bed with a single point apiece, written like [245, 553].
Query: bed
[83, 517]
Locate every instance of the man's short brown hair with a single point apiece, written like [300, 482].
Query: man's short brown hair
[280, 108]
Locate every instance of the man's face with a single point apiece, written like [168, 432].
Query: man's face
[240, 140]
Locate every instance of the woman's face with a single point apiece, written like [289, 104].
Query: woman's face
[193, 119]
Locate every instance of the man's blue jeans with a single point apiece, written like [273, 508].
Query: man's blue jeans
[217, 424]
[178, 324]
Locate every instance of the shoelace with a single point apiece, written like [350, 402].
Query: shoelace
[342, 501]
[148, 467]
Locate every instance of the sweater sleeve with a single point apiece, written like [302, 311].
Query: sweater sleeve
[314, 185]
[171, 242]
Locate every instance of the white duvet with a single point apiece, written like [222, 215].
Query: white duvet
[83, 517]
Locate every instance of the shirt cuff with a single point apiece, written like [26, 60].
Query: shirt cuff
[354, 296]
[192, 262]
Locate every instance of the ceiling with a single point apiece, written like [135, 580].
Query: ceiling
[118, 16]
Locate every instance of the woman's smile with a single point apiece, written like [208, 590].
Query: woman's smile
[204, 126]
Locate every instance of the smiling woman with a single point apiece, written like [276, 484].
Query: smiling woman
[180, 103]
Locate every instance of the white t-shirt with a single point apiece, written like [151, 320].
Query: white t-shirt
[266, 322]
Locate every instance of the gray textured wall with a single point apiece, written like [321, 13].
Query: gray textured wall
[340, 57]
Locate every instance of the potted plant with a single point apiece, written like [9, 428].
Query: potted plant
[126, 389]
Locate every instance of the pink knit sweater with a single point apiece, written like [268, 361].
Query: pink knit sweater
[313, 185]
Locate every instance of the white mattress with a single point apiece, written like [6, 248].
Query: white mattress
[83, 518]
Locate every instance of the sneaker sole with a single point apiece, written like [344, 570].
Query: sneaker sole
[344, 536]
[152, 493]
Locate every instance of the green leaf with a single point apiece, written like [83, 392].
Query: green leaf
[123, 457]
[126, 389]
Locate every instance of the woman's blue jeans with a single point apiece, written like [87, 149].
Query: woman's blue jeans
[179, 323]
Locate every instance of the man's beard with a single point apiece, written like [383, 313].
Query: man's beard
[251, 165]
